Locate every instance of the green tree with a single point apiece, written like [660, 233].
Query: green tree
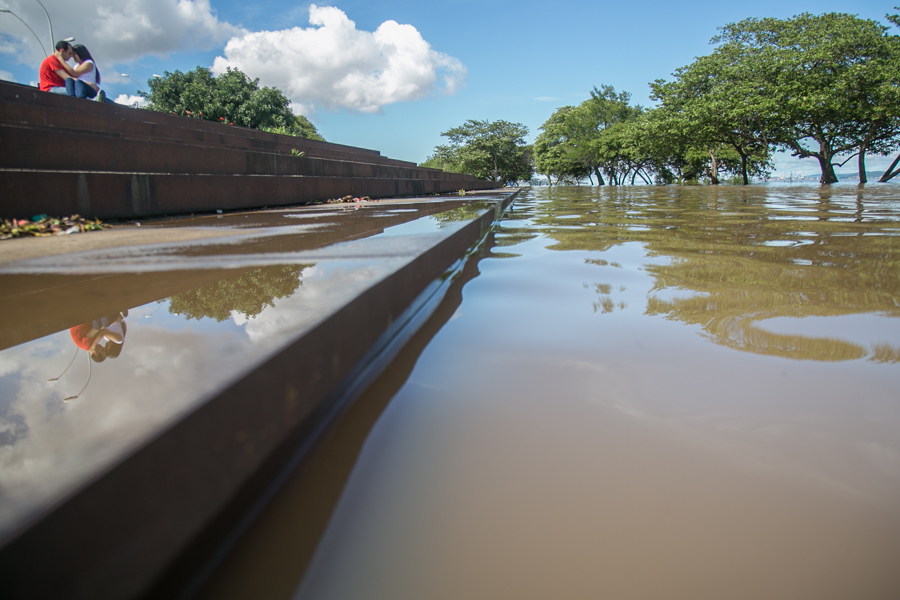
[445, 159]
[597, 136]
[231, 97]
[705, 107]
[888, 96]
[604, 136]
[819, 86]
[555, 149]
[495, 151]
[299, 126]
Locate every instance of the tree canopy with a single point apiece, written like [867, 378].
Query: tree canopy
[230, 97]
[817, 86]
[495, 151]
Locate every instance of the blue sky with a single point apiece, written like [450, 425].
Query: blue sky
[486, 59]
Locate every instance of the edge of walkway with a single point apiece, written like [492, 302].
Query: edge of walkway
[178, 498]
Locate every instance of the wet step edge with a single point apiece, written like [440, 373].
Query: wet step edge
[151, 521]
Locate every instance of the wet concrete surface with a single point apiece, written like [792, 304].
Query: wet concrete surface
[118, 347]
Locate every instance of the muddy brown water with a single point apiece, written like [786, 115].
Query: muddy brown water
[632, 393]
[681, 392]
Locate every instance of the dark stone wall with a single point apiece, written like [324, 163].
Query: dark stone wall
[62, 155]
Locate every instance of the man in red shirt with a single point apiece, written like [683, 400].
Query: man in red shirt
[52, 73]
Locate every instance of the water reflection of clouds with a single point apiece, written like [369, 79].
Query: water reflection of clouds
[326, 286]
[161, 373]
[169, 364]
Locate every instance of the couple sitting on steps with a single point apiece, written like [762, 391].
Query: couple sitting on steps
[81, 81]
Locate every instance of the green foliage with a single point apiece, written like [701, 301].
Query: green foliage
[443, 159]
[495, 151]
[247, 294]
[231, 98]
[598, 136]
[555, 152]
[299, 127]
[816, 85]
[704, 114]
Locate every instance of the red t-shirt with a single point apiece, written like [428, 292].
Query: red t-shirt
[49, 77]
[81, 336]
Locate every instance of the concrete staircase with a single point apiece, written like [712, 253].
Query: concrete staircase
[62, 155]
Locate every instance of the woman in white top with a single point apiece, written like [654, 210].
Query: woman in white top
[85, 81]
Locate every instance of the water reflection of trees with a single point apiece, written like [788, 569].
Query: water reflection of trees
[739, 258]
[247, 294]
[466, 212]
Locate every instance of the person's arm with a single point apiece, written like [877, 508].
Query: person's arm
[81, 69]
[66, 72]
[110, 335]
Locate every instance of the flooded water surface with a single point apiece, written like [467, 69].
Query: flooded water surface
[644, 393]
[674, 392]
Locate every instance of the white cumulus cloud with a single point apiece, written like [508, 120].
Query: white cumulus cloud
[334, 65]
[135, 101]
[115, 31]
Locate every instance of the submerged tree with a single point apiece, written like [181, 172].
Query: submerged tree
[817, 85]
[594, 137]
[555, 149]
[603, 125]
[495, 151]
[704, 111]
[230, 97]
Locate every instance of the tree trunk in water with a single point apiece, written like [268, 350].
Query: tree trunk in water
[713, 169]
[890, 173]
[825, 155]
[744, 167]
[828, 176]
[599, 177]
[862, 150]
[862, 165]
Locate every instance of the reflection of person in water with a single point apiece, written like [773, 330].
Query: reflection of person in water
[91, 336]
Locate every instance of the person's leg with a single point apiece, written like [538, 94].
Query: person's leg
[70, 87]
[83, 90]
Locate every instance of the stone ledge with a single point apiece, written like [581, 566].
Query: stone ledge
[180, 492]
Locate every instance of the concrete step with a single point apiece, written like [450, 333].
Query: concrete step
[62, 155]
[23, 147]
[27, 105]
[143, 512]
[139, 195]
[37, 117]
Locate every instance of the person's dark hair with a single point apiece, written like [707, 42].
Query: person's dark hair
[63, 45]
[113, 350]
[84, 54]
[99, 353]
